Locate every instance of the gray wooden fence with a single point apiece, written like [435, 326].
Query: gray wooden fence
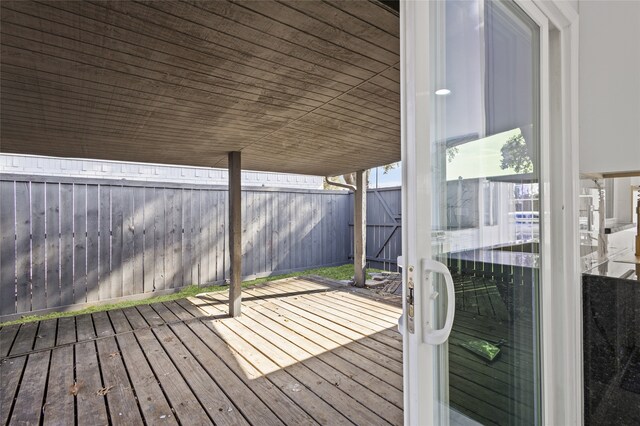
[384, 227]
[67, 241]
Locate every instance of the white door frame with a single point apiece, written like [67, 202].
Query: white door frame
[561, 296]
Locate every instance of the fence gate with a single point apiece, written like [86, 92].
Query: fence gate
[384, 227]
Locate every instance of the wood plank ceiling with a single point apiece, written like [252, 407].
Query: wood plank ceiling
[298, 86]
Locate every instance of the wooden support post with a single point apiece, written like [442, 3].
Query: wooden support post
[235, 233]
[360, 229]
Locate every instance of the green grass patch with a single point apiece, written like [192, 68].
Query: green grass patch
[344, 272]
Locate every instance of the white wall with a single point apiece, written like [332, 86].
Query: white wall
[609, 86]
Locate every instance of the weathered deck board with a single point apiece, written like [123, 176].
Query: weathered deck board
[90, 405]
[123, 408]
[31, 391]
[25, 339]
[7, 336]
[59, 401]
[10, 374]
[46, 336]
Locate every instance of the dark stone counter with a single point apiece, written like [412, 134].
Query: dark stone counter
[611, 334]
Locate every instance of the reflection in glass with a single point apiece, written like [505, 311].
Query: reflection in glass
[486, 209]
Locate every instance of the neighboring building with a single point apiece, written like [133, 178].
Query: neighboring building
[52, 166]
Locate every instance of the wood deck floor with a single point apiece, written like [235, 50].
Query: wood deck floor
[302, 353]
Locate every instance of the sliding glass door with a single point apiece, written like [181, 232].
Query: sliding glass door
[472, 211]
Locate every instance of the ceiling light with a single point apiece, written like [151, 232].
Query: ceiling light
[443, 92]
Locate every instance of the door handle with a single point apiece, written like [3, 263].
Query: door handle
[438, 336]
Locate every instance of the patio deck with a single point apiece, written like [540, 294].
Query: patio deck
[302, 353]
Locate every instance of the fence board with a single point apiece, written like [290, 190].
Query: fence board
[128, 229]
[66, 244]
[220, 237]
[138, 224]
[169, 264]
[7, 250]
[104, 244]
[149, 239]
[187, 237]
[80, 243]
[248, 233]
[117, 219]
[104, 241]
[177, 279]
[93, 254]
[198, 244]
[23, 246]
[208, 216]
[195, 236]
[160, 243]
[38, 244]
[52, 223]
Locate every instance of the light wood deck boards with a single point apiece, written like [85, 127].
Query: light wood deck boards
[187, 362]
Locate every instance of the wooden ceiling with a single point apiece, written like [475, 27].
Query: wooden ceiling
[298, 86]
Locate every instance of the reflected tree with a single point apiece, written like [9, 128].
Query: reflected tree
[515, 155]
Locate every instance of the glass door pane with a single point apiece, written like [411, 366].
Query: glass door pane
[486, 208]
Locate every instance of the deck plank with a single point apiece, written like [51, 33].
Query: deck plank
[123, 408]
[7, 336]
[150, 316]
[84, 327]
[91, 406]
[66, 331]
[134, 318]
[28, 405]
[60, 402]
[46, 336]
[25, 339]
[10, 374]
